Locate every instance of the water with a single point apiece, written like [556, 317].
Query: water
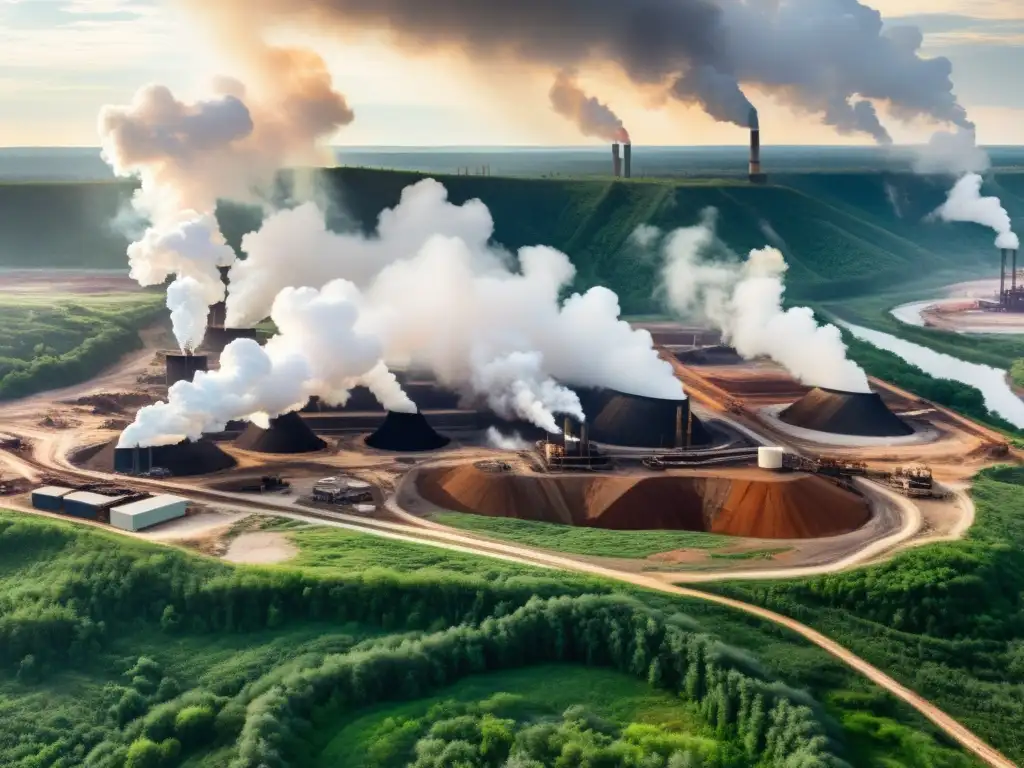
[910, 314]
[999, 398]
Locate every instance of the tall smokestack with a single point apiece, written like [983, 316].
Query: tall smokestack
[1002, 276]
[584, 440]
[755, 174]
[679, 427]
[1013, 277]
[616, 160]
[567, 432]
[628, 153]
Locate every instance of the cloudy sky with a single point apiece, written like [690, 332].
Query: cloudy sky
[60, 60]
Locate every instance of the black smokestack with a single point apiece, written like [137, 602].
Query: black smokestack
[628, 150]
[616, 161]
[755, 149]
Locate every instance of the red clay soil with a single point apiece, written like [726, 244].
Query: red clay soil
[748, 504]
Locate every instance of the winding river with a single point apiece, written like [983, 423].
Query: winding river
[999, 398]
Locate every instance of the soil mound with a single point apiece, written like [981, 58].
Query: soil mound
[183, 460]
[287, 434]
[618, 418]
[743, 503]
[845, 413]
[406, 432]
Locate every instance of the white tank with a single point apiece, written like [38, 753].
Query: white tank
[770, 457]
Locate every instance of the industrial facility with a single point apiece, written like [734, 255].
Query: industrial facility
[121, 508]
[182, 367]
[1010, 297]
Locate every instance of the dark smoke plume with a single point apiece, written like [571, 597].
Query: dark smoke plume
[592, 117]
[831, 58]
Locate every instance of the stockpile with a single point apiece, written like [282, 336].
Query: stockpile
[406, 432]
[845, 413]
[286, 434]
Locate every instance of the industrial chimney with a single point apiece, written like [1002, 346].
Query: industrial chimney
[679, 427]
[755, 175]
[616, 160]
[1002, 277]
[628, 157]
[584, 440]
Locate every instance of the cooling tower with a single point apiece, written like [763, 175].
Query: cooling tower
[183, 367]
[184, 459]
[287, 434]
[616, 161]
[845, 413]
[406, 432]
[619, 418]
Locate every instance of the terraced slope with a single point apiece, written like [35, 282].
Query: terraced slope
[843, 233]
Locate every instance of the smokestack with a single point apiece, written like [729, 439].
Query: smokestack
[689, 428]
[616, 160]
[628, 151]
[755, 175]
[1013, 277]
[679, 427]
[1002, 276]
[584, 440]
[567, 432]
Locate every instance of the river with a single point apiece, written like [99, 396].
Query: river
[999, 398]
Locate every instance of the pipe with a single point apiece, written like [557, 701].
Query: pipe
[628, 158]
[616, 160]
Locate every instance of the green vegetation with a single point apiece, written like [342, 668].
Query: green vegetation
[115, 652]
[841, 235]
[55, 341]
[1017, 372]
[946, 619]
[596, 542]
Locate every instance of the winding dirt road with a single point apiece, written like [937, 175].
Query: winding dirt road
[50, 454]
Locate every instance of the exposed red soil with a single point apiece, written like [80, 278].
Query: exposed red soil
[748, 504]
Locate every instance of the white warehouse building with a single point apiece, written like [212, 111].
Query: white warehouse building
[140, 515]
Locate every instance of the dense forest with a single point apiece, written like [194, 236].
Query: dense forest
[118, 653]
[945, 618]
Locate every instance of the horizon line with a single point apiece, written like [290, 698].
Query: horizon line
[562, 147]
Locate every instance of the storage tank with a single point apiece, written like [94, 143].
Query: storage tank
[770, 457]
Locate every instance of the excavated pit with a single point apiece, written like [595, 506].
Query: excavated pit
[743, 503]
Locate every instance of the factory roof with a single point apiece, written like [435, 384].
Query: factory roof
[96, 499]
[147, 505]
[52, 490]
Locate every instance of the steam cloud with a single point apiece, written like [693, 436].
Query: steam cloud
[965, 203]
[588, 114]
[318, 351]
[831, 58]
[189, 155]
[744, 301]
[503, 442]
[439, 297]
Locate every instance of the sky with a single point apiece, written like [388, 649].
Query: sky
[61, 60]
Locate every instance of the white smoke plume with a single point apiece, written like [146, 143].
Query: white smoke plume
[591, 116]
[953, 152]
[744, 300]
[831, 58]
[294, 247]
[187, 156]
[317, 351]
[965, 203]
[503, 442]
[440, 298]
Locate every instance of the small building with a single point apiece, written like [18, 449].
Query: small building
[49, 498]
[89, 505]
[146, 513]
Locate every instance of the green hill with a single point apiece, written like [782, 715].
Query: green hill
[843, 233]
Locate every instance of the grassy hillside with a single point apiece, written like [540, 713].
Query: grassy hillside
[119, 653]
[52, 341]
[843, 233]
[946, 619]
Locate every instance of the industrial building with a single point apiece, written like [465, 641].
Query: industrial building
[181, 460]
[1009, 299]
[89, 505]
[622, 164]
[139, 515]
[50, 498]
[184, 367]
